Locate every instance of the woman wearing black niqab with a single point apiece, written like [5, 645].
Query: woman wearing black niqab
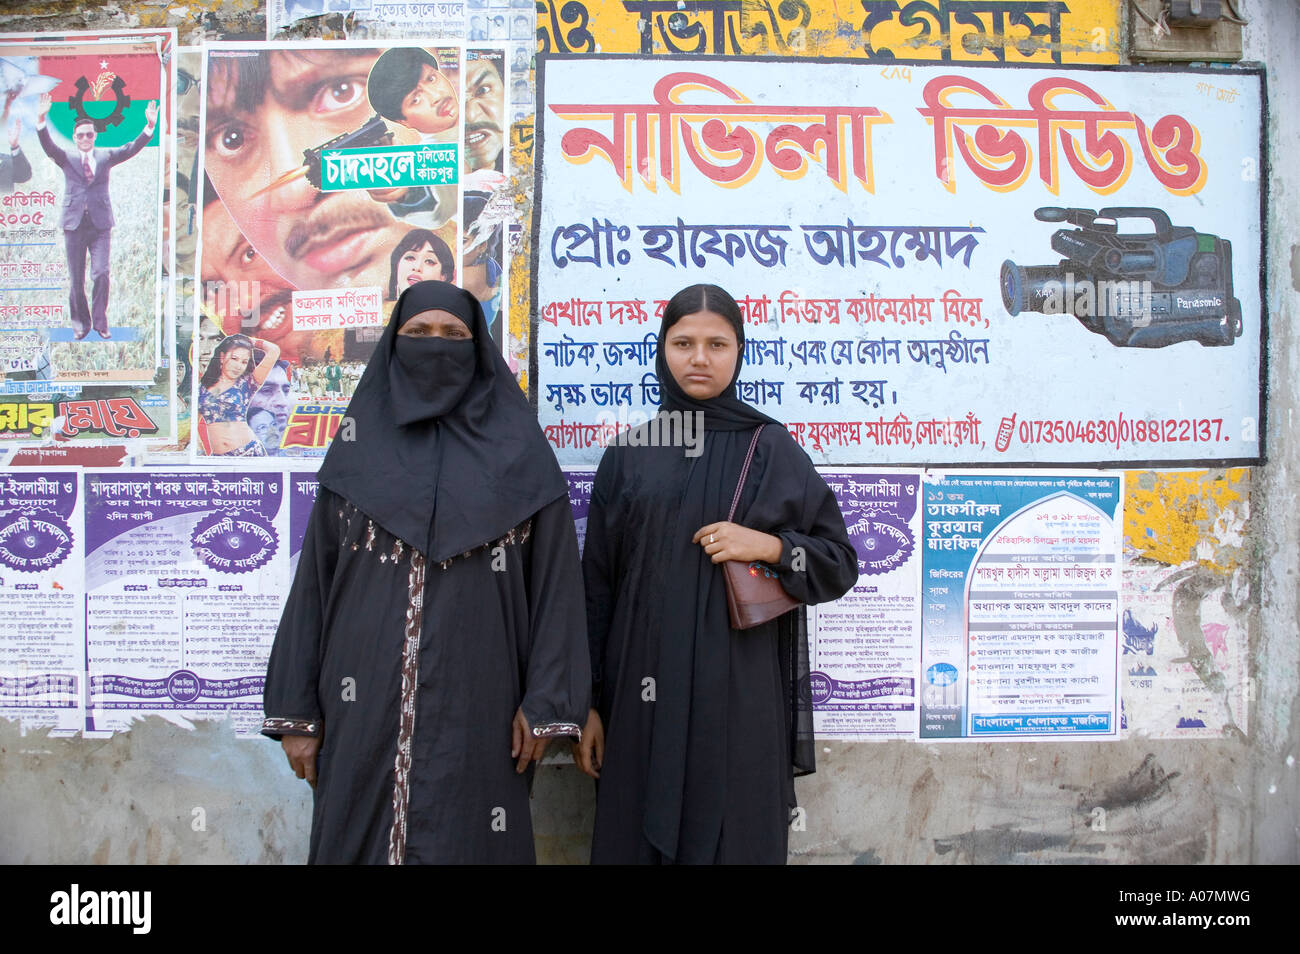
[703, 726]
[433, 634]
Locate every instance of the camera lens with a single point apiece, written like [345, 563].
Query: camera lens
[1011, 287]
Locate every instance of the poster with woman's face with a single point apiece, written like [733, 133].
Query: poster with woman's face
[331, 182]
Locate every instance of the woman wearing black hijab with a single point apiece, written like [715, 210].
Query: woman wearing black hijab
[433, 637]
[701, 725]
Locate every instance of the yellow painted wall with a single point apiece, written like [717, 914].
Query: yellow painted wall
[1081, 31]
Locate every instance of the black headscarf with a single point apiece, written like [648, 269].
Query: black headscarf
[446, 453]
[726, 412]
[690, 713]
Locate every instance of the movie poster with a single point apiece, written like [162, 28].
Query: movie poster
[489, 206]
[331, 180]
[82, 272]
[937, 264]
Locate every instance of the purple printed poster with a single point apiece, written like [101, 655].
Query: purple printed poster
[185, 577]
[864, 647]
[302, 497]
[42, 661]
[580, 482]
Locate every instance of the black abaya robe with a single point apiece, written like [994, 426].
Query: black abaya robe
[700, 719]
[438, 591]
[484, 642]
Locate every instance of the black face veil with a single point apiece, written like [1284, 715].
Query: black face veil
[445, 452]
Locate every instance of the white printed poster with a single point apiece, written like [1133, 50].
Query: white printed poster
[42, 658]
[864, 647]
[957, 265]
[1020, 605]
[186, 574]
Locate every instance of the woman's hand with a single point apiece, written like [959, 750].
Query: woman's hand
[590, 752]
[730, 541]
[302, 751]
[523, 745]
[270, 355]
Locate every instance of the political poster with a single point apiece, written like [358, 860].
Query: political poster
[83, 147]
[83, 264]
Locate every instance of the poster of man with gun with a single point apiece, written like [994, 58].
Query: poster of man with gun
[322, 161]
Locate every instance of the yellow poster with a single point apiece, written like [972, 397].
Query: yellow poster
[967, 31]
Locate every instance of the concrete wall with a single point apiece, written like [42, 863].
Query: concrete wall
[165, 794]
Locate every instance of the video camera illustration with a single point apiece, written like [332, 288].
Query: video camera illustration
[1140, 290]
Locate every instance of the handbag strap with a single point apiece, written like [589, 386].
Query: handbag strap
[743, 471]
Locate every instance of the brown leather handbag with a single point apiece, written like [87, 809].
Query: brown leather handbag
[754, 594]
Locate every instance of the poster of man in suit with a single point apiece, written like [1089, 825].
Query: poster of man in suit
[82, 250]
[87, 218]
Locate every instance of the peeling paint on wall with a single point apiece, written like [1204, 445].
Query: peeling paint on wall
[132, 799]
[1184, 666]
[195, 20]
[521, 248]
[1187, 595]
[1023, 803]
[1176, 516]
